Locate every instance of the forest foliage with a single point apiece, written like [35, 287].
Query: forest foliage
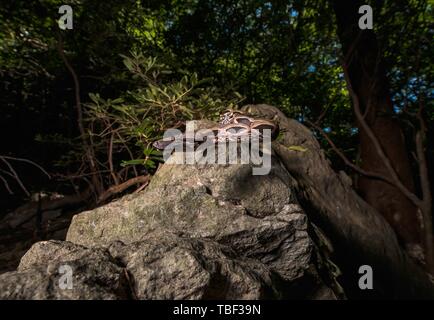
[145, 66]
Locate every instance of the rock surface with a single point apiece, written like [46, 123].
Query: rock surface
[196, 232]
[39, 275]
[255, 215]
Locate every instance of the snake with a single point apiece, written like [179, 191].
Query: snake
[233, 125]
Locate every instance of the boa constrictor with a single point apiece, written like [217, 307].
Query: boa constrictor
[233, 125]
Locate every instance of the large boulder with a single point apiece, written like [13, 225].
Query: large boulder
[196, 232]
[42, 270]
[258, 216]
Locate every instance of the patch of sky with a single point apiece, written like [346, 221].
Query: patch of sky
[410, 92]
[412, 97]
[258, 12]
[293, 13]
[397, 109]
[311, 68]
[168, 24]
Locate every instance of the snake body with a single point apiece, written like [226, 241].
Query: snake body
[233, 125]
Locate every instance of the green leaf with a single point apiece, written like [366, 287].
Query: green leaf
[132, 162]
[297, 148]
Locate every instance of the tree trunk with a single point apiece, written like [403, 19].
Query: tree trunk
[368, 78]
[360, 235]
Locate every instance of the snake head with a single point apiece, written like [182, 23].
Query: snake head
[228, 116]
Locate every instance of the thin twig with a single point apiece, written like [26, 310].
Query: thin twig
[28, 161]
[110, 160]
[121, 187]
[80, 175]
[6, 185]
[129, 152]
[346, 160]
[90, 154]
[16, 177]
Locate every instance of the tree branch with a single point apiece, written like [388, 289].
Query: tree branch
[121, 187]
[90, 154]
[28, 161]
[346, 160]
[6, 185]
[395, 178]
[15, 175]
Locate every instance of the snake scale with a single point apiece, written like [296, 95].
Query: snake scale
[233, 125]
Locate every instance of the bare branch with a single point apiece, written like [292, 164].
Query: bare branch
[110, 160]
[28, 161]
[395, 178]
[90, 154]
[16, 177]
[121, 187]
[6, 185]
[347, 161]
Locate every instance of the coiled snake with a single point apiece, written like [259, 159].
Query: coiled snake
[233, 125]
